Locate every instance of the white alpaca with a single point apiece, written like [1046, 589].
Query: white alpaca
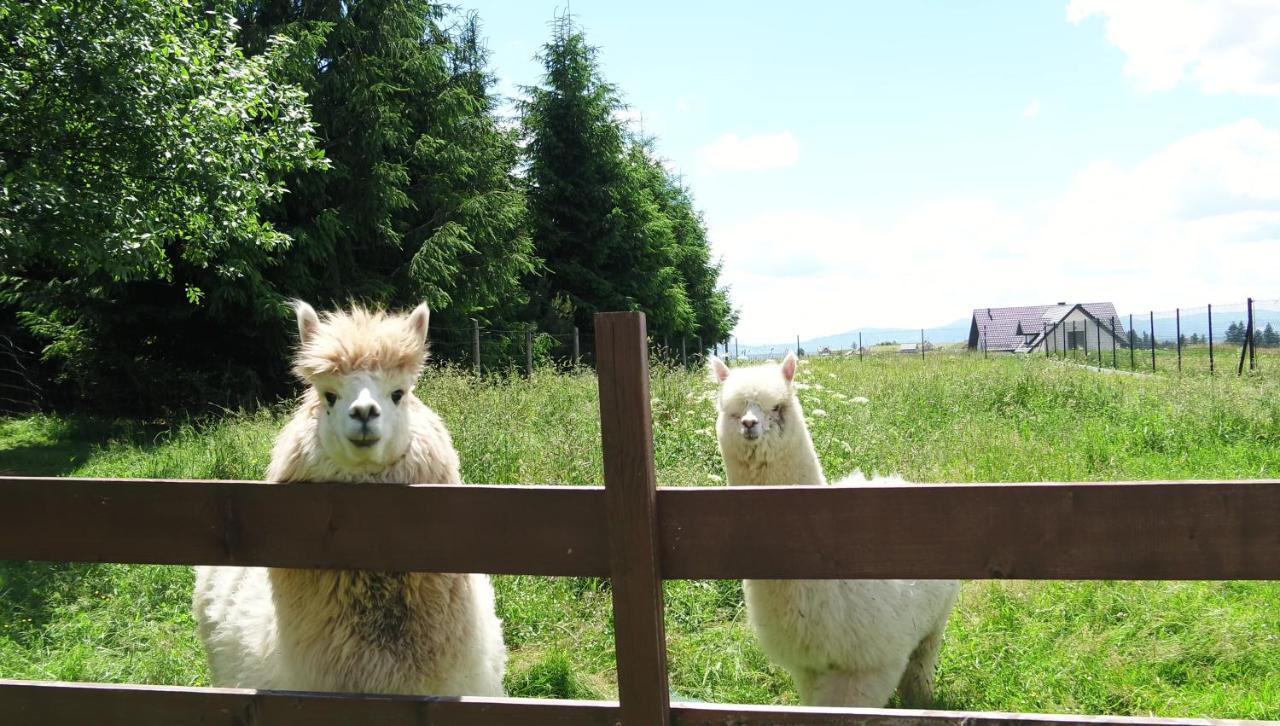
[844, 642]
[355, 630]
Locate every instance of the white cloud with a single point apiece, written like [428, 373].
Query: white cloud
[763, 151]
[1032, 110]
[1225, 46]
[1196, 222]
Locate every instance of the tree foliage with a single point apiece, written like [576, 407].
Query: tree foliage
[421, 202]
[615, 231]
[137, 144]
[173, 171]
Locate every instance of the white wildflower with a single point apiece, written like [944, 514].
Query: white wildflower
[859, 399]
[819, 412]
[714, 478]
[802, 386]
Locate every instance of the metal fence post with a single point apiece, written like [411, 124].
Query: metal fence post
[1253, 339]
[475, 344]
[798, 353]
[684, 356]
[1248, 335]
[859, 347]
[1097, 339]
[1044, 337]
[701, 351]
[736, 353]
[1113, 342]
[1132, 365]
[922, 344]
[1210, 339]
[1152, 317]
[577, 351]
[1177, 321]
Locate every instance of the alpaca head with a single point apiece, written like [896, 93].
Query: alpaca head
[758, 409]
[361, 366]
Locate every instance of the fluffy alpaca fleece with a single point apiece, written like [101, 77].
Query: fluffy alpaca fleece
[355, 630]
[844, 642]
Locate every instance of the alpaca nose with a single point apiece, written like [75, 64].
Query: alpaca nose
[749, 424]
[363, 410]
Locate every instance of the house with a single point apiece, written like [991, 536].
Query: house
[907, 348]
[1057, 328]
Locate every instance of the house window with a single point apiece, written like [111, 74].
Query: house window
[1075, 339]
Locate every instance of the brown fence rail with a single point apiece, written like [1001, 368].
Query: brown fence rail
[632, 532]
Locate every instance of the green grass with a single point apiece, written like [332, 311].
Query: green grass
[1165, 648]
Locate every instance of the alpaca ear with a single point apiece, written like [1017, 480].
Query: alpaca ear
[308, 321]
[789, 367]
[717, 370]
[418, 320]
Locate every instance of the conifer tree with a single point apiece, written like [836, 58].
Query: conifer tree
[613, 234]
[421, 202]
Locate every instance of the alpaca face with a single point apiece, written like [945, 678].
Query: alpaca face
[362, 367]
[758, 410]
[362, 420]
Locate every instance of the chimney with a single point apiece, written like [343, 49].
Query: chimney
[1062, 303]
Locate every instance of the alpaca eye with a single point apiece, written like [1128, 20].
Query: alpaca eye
[778, 408]
[396, 395]
[332, 398]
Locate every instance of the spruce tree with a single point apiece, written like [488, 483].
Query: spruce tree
[603, 216]
[421, 202]
[1269, 338]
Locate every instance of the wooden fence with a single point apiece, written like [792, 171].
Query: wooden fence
[630, 531]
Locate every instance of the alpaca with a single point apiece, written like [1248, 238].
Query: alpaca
[844, 642]
[355, 630]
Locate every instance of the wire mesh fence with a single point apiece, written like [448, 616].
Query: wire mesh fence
[1208, 339]
[19, 390]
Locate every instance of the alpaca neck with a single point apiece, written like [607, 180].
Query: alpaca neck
[794, 462]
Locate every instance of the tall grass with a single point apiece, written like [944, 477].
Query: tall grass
[1169, 648]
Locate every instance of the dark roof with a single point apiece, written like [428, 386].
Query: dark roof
[1001, 325]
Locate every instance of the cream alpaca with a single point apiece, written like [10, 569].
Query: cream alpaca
[355, 630]
[845, 642]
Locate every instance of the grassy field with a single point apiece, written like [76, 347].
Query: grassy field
[1165, 648]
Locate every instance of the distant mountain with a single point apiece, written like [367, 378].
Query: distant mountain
[953, 332]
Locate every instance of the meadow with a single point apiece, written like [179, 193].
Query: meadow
[1163, 648]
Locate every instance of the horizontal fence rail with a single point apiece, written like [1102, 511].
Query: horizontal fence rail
[29, 702]
[1139, 530]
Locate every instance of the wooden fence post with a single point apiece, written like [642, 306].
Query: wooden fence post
[528, 352]
[475, 344]
[630, 486]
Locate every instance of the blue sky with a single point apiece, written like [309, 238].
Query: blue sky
[899, 164]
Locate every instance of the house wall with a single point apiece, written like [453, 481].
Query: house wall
[1087, 337]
